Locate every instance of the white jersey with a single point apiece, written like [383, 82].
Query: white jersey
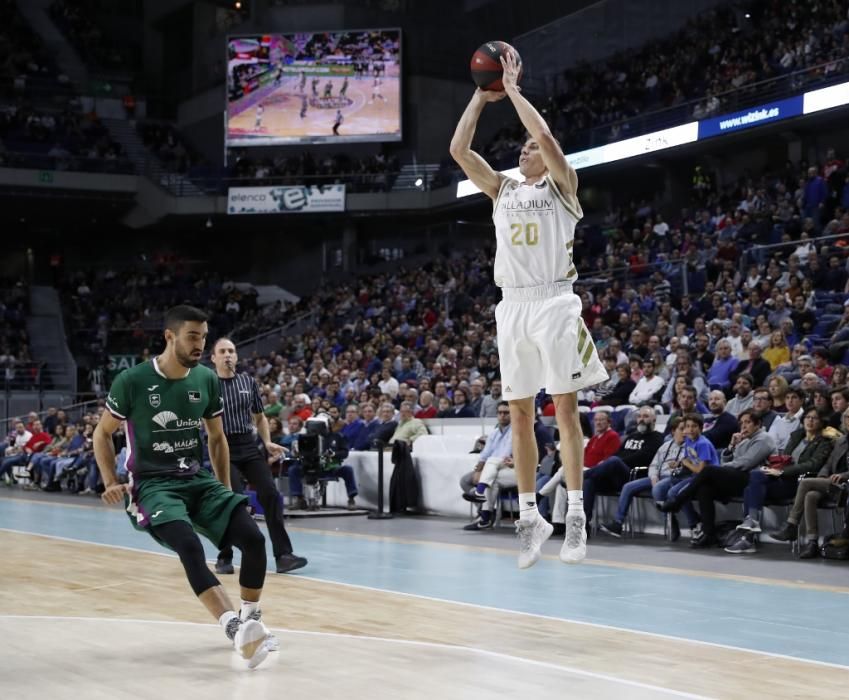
[535, 234]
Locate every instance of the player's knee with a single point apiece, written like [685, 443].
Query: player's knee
[255, 539]
[566, 406]
[243, 532]
[179, 536]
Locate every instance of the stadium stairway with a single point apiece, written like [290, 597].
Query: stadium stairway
[406, 179]
[146, 163]
[46, 330]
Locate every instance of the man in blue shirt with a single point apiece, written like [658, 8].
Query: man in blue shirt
[493, 471]
[354, 425]
[697, 449]
[719, 374]
[370, 424]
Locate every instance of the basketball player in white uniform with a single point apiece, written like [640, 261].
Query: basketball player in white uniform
[542, 340]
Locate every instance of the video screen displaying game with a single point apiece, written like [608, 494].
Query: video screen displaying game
[314, 88]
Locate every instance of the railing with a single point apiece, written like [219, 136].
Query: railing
[74, 411]
[187, 184]
[757, 254]
[249, 346]
[732, 100]
[629, 277]
[68, 163]
[25, 376]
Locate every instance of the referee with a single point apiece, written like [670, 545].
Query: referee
[242, 414]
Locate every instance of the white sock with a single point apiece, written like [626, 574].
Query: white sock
[576, 498]
[528, 507]
[225, 620]
[247, 608]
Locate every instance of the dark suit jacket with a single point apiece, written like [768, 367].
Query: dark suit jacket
[721, 431]
[813, 457]
[760, 370]
[620, 396]
[836, 461]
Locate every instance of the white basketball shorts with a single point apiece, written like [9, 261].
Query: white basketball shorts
[544, 343]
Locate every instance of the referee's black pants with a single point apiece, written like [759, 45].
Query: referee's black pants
[247, 461]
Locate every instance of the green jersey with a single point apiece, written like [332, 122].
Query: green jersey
[164, 418]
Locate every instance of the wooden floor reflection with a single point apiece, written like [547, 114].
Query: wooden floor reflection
[145, 635]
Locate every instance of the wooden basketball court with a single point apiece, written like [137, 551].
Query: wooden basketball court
[93, 609]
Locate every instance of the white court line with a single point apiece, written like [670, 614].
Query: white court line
[98, 588]
[597, 625]
[408, 642]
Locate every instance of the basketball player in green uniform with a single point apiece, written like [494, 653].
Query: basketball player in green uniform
[169, 494]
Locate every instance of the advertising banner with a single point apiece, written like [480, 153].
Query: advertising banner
[754, 116]
[286, 200]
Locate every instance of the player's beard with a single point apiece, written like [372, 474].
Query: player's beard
[185, 359]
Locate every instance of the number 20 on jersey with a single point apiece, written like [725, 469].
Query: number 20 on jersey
[524, 234]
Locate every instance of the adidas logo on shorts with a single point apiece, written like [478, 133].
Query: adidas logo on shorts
[508, 389]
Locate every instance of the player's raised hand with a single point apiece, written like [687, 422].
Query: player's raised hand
[512, 68]
[490, 95]
[114, 494]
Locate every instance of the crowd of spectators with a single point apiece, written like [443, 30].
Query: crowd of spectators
[54, 452]
[167, 145]
[58, 139]
[710, 66]
[14, 340]
[374, 173]
[114, 312]
[752, 349]
[711, 243]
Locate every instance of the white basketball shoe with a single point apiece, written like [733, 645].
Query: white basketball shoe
[250, 642]
[532, 535]
[574, 548]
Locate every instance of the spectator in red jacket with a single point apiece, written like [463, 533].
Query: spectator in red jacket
[604, 443]
[39, 440]
[426, 407]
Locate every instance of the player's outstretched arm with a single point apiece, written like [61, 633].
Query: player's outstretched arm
[219, 451]
[104, 454]
[476, 168]
[561, 172]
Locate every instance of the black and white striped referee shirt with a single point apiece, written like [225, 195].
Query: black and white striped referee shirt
[241, 402]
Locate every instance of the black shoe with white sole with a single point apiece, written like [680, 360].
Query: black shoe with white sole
[224, 566]
[612, 528]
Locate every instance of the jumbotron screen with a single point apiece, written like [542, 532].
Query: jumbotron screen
[314, 87]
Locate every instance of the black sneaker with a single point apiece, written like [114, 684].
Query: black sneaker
[809, 550]
[613, 528]
[789, 533]
[289, 562]
[744, 545]
[224, 566]
[674, 528]
[667, 506]
[474, 497]
[480, 524]
[704, 542]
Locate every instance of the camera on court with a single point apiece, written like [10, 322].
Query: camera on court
[314, 451]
